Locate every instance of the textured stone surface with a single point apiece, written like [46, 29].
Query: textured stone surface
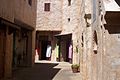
[49, 20]
[85, 20]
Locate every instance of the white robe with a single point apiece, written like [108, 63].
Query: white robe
[48, 52]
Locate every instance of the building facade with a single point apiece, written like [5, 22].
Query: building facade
[57, 20]
[112, 25]
[90, 26]
[48, 24]
[17, 35]
[99, 40]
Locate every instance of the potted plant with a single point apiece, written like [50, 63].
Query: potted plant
[75, 68]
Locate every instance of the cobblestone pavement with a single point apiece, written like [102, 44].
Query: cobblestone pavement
[46, 70]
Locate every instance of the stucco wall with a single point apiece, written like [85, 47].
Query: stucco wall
[25, 12]
[7, 10]
[20, 10]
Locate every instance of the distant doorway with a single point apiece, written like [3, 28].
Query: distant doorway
[43, 49]
[65, 51]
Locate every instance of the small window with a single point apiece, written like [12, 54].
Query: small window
[47, 7]
[30, 2]
[69, 2]
[68, 19]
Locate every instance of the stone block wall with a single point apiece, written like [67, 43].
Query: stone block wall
[70, 16]
[94, 66]
[49, 20]
[112, 56]
[71, 24]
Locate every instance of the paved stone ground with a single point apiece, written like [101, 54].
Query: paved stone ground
[46, 70]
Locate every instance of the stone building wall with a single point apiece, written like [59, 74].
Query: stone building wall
[61, 17]
[49, 20]
[71, 22]
[85, 20]
[109, 42]
[114, 58]
[93, 66]
[70, 15]
[111, 57]
[99, 66]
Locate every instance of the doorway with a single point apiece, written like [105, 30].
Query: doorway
[65, 48]
[43, 49]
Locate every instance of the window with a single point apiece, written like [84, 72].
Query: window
[69, 2]
[30, 2]
[47, 7]
[68, 19]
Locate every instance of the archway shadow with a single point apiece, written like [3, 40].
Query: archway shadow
[40, 71]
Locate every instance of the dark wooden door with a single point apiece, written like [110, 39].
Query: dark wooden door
[2, 45]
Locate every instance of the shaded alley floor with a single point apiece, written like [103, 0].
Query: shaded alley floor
[46, 70]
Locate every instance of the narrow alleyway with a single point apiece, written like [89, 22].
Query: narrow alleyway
[45, 70]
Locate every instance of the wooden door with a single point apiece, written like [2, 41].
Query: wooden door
[2, 45]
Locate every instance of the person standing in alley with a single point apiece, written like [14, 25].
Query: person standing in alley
[48, 51]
